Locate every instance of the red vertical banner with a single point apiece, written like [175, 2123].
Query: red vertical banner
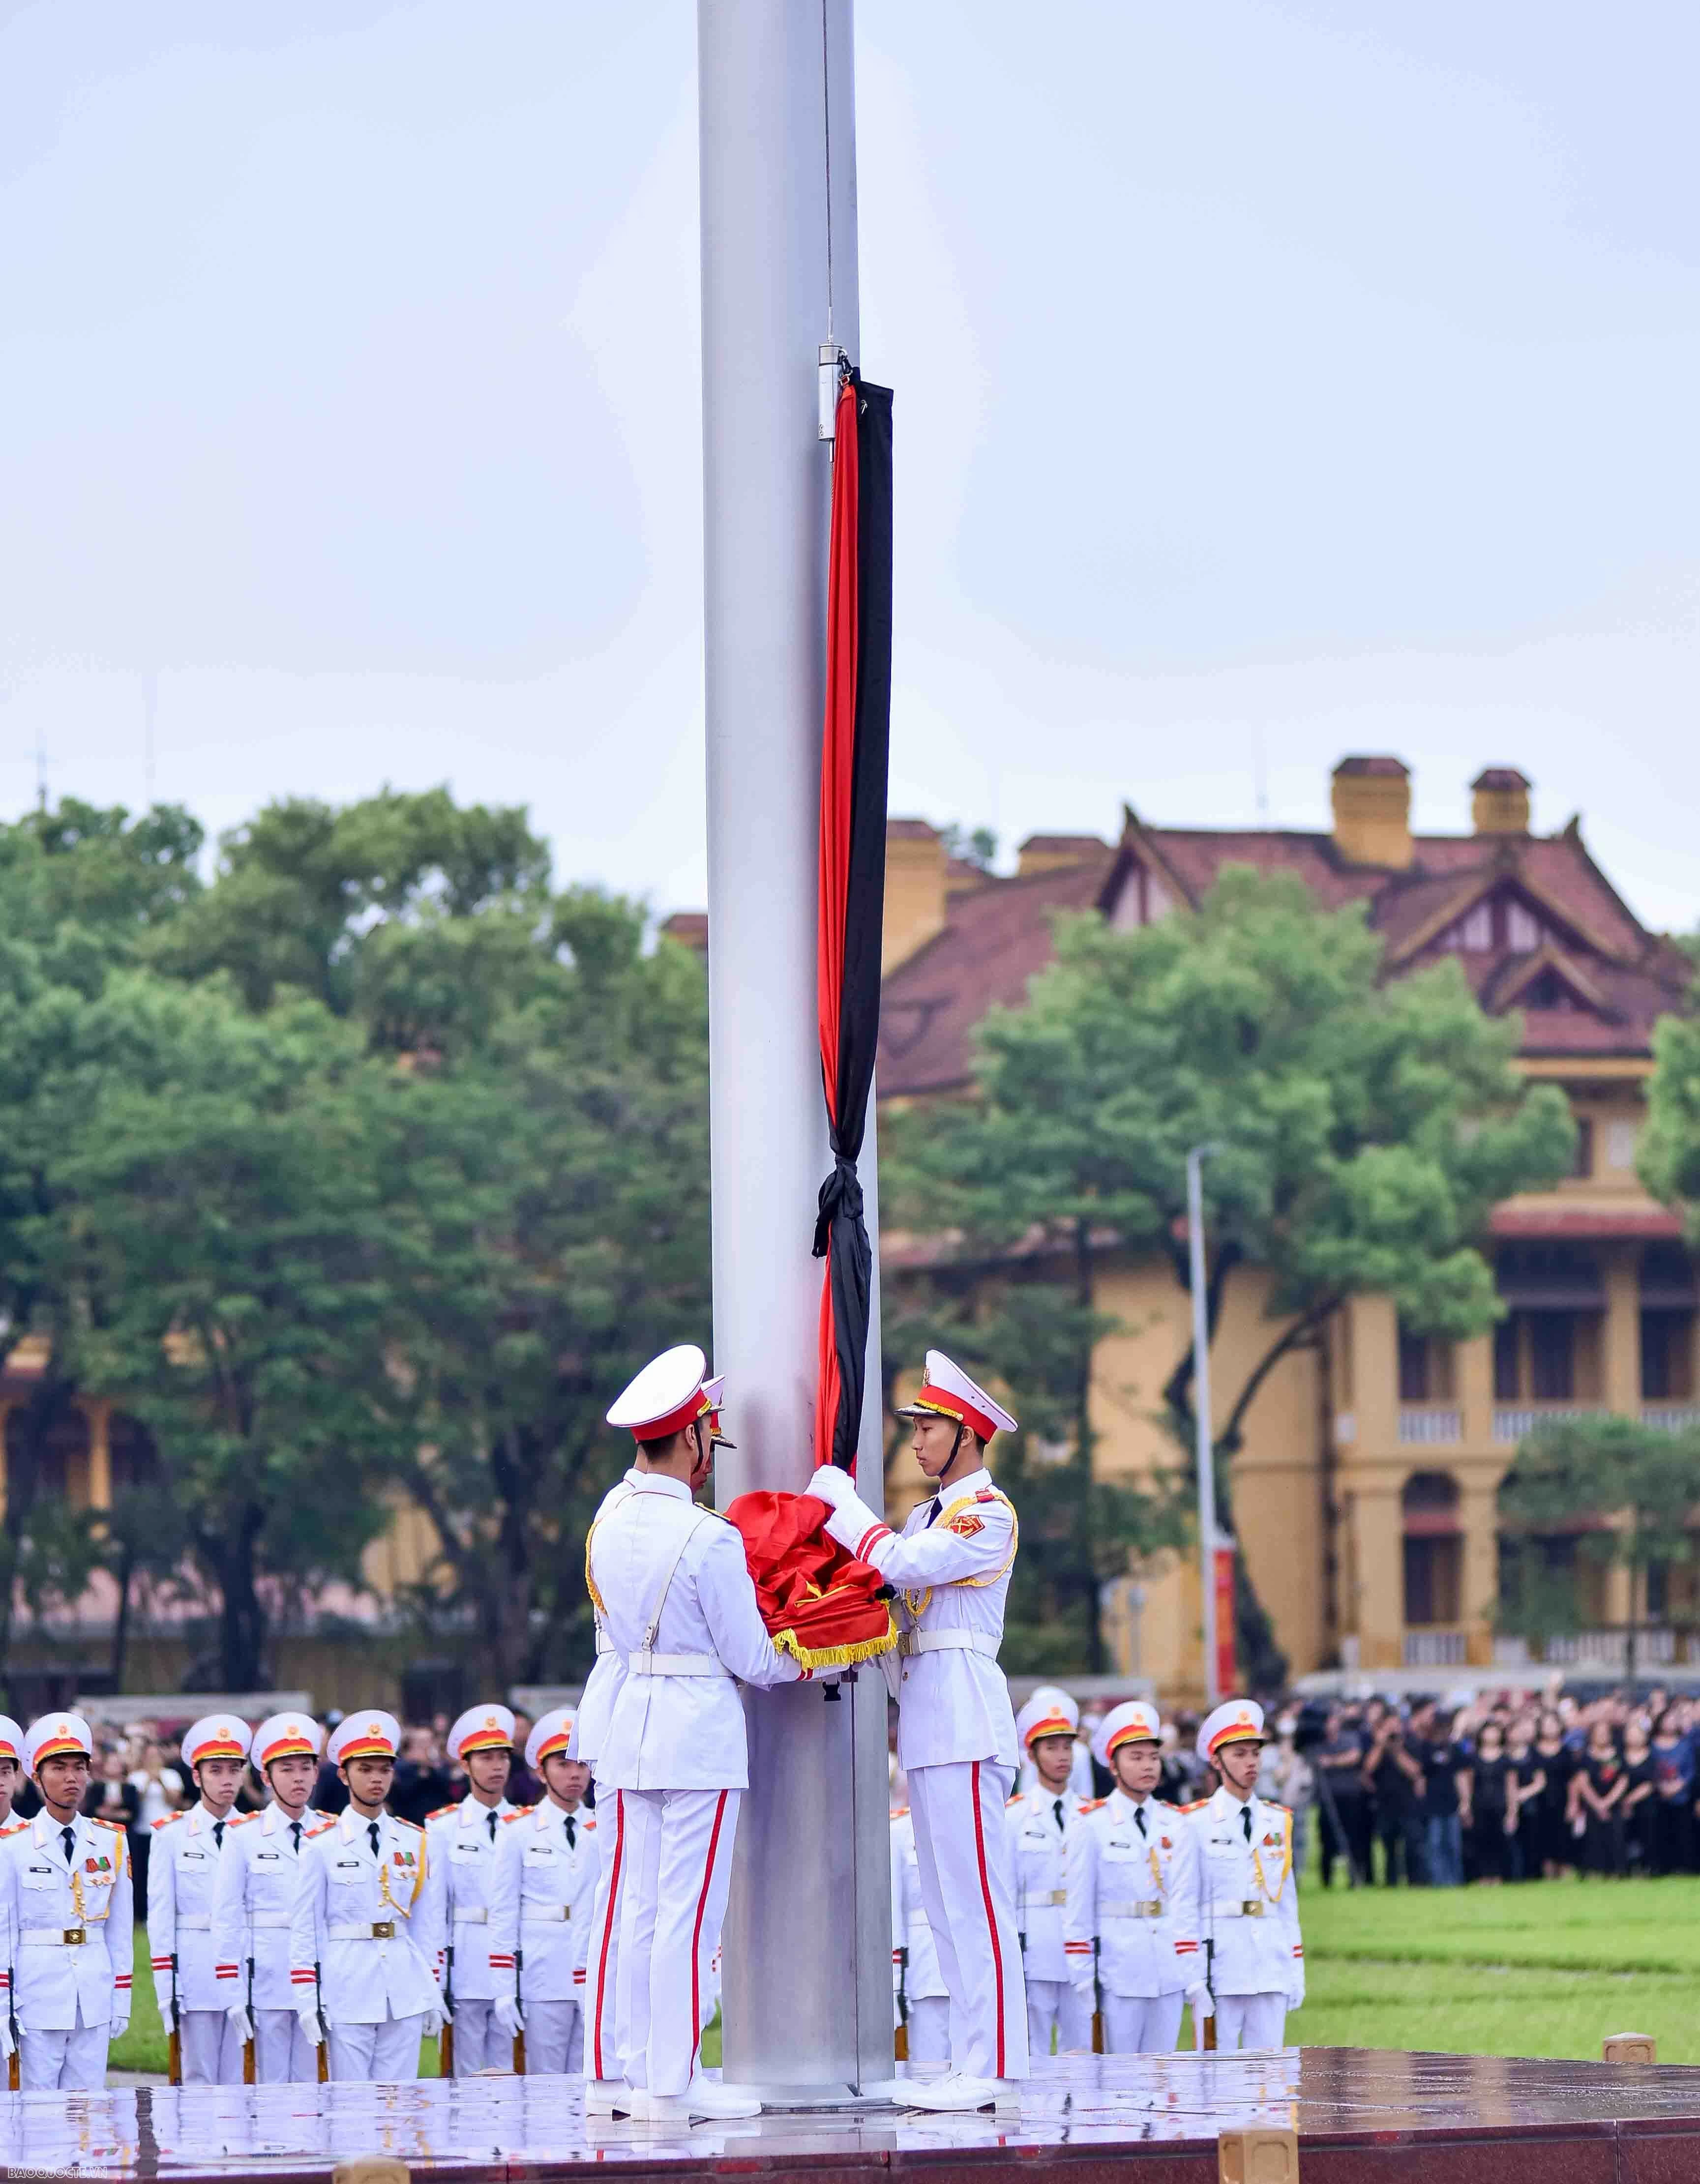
[1227, 1669]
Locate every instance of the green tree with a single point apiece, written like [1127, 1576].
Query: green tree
[1669, 1155]
[1364, 1130]
[1624, 1494]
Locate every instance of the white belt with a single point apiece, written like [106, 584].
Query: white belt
[547, 1915]
[675, 1664]
[55, 1937]
[1150, 1908]
[605, 1644]
[949, 1641]
[194, 1922]
[1253, 1907]
[1046, 1899]
[480, 1917]
[268, 1919]
[363, 1929]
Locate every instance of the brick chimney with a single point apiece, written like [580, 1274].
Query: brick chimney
[915, 879]
[1501, 801]
[1372, 811]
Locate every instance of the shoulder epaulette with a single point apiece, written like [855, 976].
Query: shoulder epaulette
[320, 1830]
[519, 1813]
[411, 1826]
[235, 1820]
[589, 1824]
[900, 1811]
[989, 1494]
[167, 1819]
[1019, 1798]
[1275, 1805]
[16, 1828]
[441, 1814]
[1197, 1805]
[117, 1826]
[1093, 1804]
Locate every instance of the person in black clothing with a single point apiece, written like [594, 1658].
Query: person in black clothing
[421, 1784]
[1641, 1769]
[1598, 1790]
[1669, 1822]
[1342, 1800]
[1442, 1762]
[1491, 1804]
[1395, 1776]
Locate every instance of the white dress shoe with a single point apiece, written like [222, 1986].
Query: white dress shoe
[704, 2097]
[607, 2097]
[958, 2094]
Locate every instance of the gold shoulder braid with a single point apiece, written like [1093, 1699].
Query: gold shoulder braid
[916, 1604]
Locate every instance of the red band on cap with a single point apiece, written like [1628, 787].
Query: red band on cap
[1054, 1725]
[1130, 1732]
[551, 1745]
[954, 1406]
[675, 1421]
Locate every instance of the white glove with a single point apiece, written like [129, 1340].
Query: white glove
[435, 2020]
[311, 2023]
[1203, 2002]
[829, 1484]
[506, 2013]
[116, 2027]
[240, 2022]
[8, 2045]
[445, 2015]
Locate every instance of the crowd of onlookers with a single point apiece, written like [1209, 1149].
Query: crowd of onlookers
[139, 1779]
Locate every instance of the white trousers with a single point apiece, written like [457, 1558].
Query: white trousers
[1250, 2020]
[678, 1846]
[212, 2051]
[284, 2055]
[604, 2055]
[63, 2062]
[1142, 2024]
[929, 2029]
[555, 2038]
[1055, 2006]
[962, 1854]
[386, 2055]
[480, 2043]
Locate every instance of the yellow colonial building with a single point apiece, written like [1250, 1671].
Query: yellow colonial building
[1364, 1495]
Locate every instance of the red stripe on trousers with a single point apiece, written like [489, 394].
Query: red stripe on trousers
[991, 1920]
[696, 1928]
[607, 1924]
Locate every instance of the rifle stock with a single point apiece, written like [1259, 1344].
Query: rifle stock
[174, 2045]
[445, 2038]
[519, 2054]
[250, 2061]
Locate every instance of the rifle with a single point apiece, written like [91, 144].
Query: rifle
[1097, 2003]
[900, 2041]
[323, 2050]
[520, 2036]
[1205, 2030]
[174, 2045]
[250, 2073]
[14, 2064]
[445, 2038]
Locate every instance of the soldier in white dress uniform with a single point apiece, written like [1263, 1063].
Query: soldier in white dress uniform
[1040, 1821]
[918, 1983]
[195, 1992]
[367, 1932]
[68, 1916]
[463, 1840]
[1133, 1893]
[11, 1766]
[955, 1734]
[673, 1592]
[1248, 1892]
[541, 1898]
[1080, 1783]
[255, 1898]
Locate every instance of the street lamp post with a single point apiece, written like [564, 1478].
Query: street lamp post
[1201, 1404]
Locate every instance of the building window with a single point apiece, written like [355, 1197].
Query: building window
[1143, 900]
[1523, 930]
[1667, 1356]
[1434, 1551]
[1552, 1357]
[1425, 1368]
[1621, 1142]
[1583, 1164]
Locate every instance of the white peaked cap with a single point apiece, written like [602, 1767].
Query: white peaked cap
[1235, 1721]
[55, 1735]
[11, 1738]
[286, 1736]
[1049, 1713]
[1135, 1721]
[551, 1732]
[371, 1733]
[665, 1396]
[486, 1728]
[216, 1736]
[947, 1392]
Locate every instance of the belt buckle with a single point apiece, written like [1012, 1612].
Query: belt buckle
[1151, 1908]
[75, 1936]
[383, 1930]
[1251, 1909]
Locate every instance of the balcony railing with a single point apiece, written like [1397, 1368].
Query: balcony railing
[1430, 1425]
[1436, 1649]
[1598, 1649]
[1515, 1421]
[1673, 1418]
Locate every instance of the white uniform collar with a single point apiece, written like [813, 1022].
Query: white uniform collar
[352, 1826]
[272, 1821]
[658, 1482]
[1228, 1805]
[201, 1816]
[468, 1805]
[975, 1483]
[46, 1831]
[546, 1813]
[1124, 1803]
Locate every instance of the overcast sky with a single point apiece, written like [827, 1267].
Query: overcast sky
[1272, 382]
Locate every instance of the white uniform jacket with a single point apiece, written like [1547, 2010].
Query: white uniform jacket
[183, 1864]
[541, 1899]
[921, 1975]
[951, 1565]
[1248, 1896]
[253, 1905]
[608, 1671]
[1135, 1893]
[1039, 1855]
[659, 1563]
[44, 1894]
[368, 1929]
[463, 1851]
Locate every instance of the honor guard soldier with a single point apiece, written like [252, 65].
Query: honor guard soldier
[255, 1899]
[1080, 1783]
[1133, 1893]
[368, 1926]
[1040, 1821]
[463, 1849]
[68, 1915]
[923, 2007]
[1248, 1893]
[194, 1991]
[955, 1734]
[673, 1592]
[547, 1864]
[11, 1765]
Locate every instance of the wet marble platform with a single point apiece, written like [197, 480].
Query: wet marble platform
[1363, 2116]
